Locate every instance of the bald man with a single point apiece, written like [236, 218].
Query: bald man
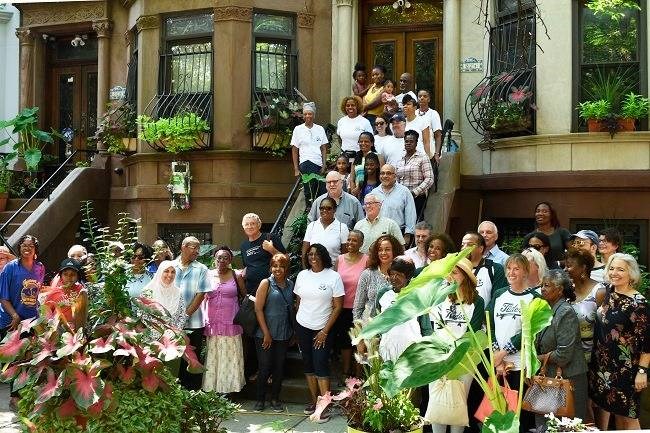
[490, 233]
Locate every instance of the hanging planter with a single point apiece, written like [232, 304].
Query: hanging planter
[184, 132]
[179, 185]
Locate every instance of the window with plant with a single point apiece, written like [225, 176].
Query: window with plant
[609, 56]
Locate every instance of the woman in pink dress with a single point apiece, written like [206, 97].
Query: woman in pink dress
[224, 362]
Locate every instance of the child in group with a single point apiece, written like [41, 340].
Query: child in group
[69, 298]
[359, 87]
[343, 167]
[388, 98]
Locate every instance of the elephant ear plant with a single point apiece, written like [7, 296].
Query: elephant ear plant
[111, 374]
[432, 357]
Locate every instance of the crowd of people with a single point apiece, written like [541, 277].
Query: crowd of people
[365, 240]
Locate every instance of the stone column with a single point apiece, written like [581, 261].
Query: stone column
[305, 39]
[148, 62]
[451, 29]
[342, 66]
[103, 29]
[231, 75]
[26, 38]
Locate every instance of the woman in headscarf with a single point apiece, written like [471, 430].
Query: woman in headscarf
[163, 290]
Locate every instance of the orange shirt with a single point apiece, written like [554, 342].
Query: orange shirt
[373, 92]
[67, 301]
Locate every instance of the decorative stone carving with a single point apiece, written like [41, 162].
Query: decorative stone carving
[344, 3]
[64, 12]
[129, 38]
[127, 3]
[145, 22]
[25, 36]
[306, 20]
[103, 28]
[233, 13]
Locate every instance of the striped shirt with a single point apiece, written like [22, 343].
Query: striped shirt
[191, 280]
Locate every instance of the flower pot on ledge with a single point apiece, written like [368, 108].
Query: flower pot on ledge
[624, 125]
[130, 145]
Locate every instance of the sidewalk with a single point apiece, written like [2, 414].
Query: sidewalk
[245, 421]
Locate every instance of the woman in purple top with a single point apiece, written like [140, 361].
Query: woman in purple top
[20, 283]
[224, 363]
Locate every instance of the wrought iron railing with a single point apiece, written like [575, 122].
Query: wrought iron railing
[281, 219]
[276, 102]
[185, 87]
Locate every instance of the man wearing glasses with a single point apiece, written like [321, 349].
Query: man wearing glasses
[348, 208]
[588, 240]
[397, 201]
[374, 225]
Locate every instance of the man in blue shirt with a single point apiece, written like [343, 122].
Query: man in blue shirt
[397, 202]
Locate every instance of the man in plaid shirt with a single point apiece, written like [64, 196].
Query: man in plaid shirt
[414, 171]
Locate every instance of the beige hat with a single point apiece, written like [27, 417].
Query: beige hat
[5, 251]
[466, 266]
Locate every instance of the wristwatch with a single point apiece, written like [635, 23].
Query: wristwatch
[642, 370]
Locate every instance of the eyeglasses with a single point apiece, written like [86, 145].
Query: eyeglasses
[326, 208]
[386, 173]
[332, 181]
[369, 203]
[537, 247]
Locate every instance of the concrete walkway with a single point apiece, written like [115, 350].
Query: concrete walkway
[246, 421]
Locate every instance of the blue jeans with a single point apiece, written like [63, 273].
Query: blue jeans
[316, 361]
[313, 188]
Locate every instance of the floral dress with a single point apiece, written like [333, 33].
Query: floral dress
[620, 336]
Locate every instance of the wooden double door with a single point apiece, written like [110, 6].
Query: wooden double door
[418, 52]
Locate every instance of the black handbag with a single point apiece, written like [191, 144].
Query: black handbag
[246, 317]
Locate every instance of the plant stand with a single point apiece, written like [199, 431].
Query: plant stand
[179, 185]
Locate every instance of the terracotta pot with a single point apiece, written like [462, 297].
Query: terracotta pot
[130, 144]
[4, 196]
[353, 430]
[626, 124]
[594, 125]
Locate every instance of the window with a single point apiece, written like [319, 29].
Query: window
[610, 53]
[274, 58]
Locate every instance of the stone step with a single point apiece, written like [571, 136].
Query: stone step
[4, 216]
[13, 204]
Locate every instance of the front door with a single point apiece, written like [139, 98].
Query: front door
[74, 106]
[407, 40]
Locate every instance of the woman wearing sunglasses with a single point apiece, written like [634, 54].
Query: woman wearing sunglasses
[327, 231]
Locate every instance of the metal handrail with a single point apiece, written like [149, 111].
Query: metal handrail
[4, 227]
[288, 204]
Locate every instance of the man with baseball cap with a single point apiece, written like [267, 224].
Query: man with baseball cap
[393, 150]
[588, 240]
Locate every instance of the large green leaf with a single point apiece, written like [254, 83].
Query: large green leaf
[473, 356]
[32, 158]
[535, 316]
[422, 293]
[42, 136]
[423, 362]
[501, 423]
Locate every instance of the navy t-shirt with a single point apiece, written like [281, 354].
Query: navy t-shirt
[257, 260]
[20, 287]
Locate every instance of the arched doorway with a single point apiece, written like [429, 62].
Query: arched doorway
[405, 40]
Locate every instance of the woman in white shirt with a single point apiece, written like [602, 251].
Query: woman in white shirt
[319, 292]
[351, 124]
[327, 231]
[309, 152]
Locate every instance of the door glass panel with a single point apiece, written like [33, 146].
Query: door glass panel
[425, 60]
[384, 54]
[65, 51]
[66, 107]
[420, 12]
[91, 106]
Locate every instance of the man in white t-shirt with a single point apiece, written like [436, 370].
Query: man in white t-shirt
[424, 98]
[418, 124]
[309, 152]
[405, 88]
[393, 150]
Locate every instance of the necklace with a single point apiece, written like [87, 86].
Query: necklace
[69, 297]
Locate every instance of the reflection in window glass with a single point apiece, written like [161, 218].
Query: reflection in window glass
[276, 24]
[191, 68]
[384, 54]
[425, 60]
[188, 25]
[610, 35]
[87, 51]
[420, 12]
[271, 65]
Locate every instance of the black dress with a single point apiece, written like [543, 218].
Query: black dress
[621, 334]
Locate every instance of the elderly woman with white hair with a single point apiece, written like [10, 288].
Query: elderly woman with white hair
[621, 354]
[538, 268]
[309, 152]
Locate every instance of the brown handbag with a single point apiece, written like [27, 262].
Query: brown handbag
[549, 394]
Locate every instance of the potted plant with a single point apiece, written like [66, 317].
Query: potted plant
[110, 374]
[593, 112]
[28, 140]
[5, 179]
[181, 133]
[117, 129]
[602, 116]
[504, 114]
[634, 107]
[271, 120]
[433, 357]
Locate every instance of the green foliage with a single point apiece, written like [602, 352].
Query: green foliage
[610, 86]
[610, 31]
[206, 411]
[644, 284]
[298, 228]
[594, 109]
[118, 122]
[5, 173]
[396, 414]
[535, 316]
[634, 106]
[176, 134]
[513, 245]
[31, 140]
